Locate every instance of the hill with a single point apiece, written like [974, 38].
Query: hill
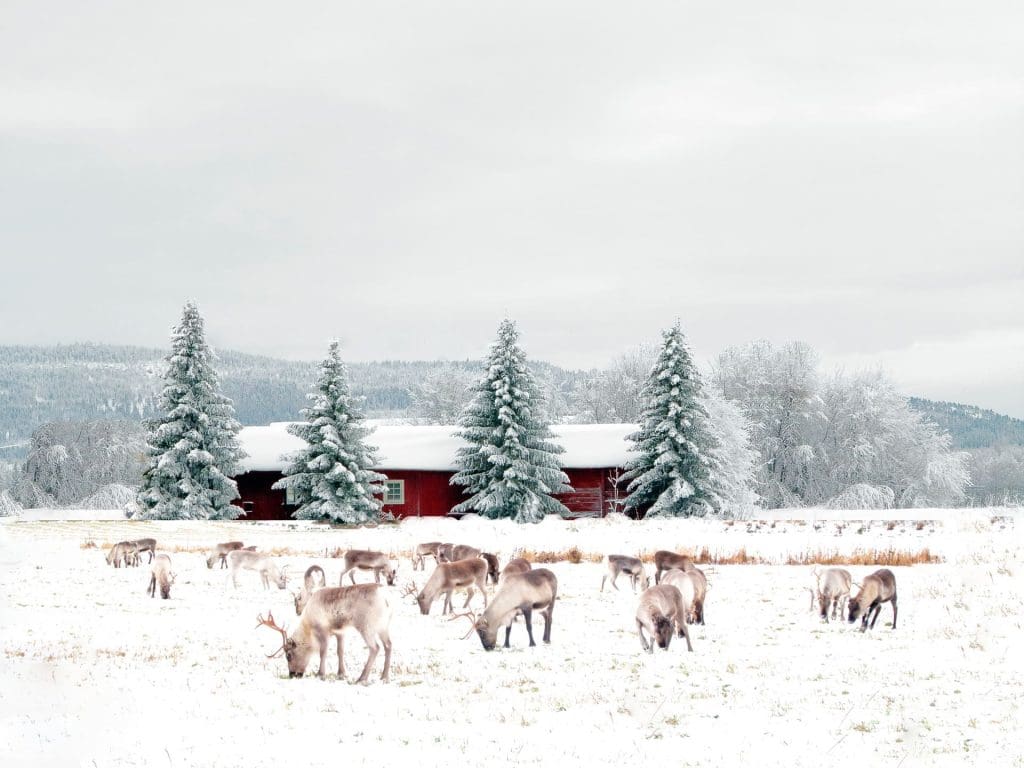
[970, 426]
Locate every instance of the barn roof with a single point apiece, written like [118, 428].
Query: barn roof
[433, 447]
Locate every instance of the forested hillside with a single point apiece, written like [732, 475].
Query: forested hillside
[971, 426]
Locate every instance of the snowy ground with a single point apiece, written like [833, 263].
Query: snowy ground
[98, 674]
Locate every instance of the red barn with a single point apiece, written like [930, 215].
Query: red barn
[419, 462]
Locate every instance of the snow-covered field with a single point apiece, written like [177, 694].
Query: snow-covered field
[96, 673]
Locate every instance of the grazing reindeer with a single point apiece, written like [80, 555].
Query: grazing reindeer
[145, 545]
[448, 577]
[493, 566]
[221, 551]
[878, 588]
[244, 559]
[367, 560]
[832, 587]
[665, 561]
[515, 566]
[463, 552]
[329, 612]
[523, 593]
[122, 552]
[313, 580]
[161, 574]
[631, 566]
[444, 553]
[661, 608]
[428, 549]
[693, 586]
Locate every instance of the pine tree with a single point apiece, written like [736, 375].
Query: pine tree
[510, 466]
[332, 478]
[192, 449]
[672, 476]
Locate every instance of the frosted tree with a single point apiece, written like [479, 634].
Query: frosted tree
[332, 478]
[736, 459]
[510, 465]
[442, 395]
[192, 448]
[612, 396]
[672, 475]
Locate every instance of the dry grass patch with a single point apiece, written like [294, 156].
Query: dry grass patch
[889, 556]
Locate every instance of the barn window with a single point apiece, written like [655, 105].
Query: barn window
[247, 506]
[394, 492]
[289, 496]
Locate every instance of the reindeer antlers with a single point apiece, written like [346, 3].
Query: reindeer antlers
[410, 589]
[467, 615]
[269, 622]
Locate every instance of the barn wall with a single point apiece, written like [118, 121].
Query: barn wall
[427, 494]
[267, 504]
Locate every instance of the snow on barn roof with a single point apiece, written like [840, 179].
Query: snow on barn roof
[432, 448]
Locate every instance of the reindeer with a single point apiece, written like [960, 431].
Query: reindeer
[123, 552]
[145, 545]
[519, 593]
[313, 580]
[665, 560]
[878, 588]
[329, 612]
[244, 559]
[160, 573]
[693, 586]
[832, 587]
[632, 566]
[221, 551]
[462, 552]
[493, 566]
[515, 566]
[427, 549]
[661, 607]
[367, 560]
[448, 577]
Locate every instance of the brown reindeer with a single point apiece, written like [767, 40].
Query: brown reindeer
[144, 545]
[665, 560]
[878, 588]
[444, 553]
[493, 566]
[123, 552]
[367, 560]
[661, 608]
[425, 550]
[832, 588]
[631, 566]
[330, 611]
[515, 566]
[693, 586]
[462, 552]
[447, 577]
[220, 552]
[519, 593]
[313, 580]
[160, 573]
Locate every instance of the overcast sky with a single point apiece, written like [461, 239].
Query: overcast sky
[401, 176]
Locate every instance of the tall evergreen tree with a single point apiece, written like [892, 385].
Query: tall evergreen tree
[192, 449]
[510, 466]
[332, 477]
[672, 476]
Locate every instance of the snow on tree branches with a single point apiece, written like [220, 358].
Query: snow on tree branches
[510, 466]
[332, 478]
[192, 449]
[672, 476]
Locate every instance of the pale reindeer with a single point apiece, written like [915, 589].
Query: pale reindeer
[519, 593]
[831, 588]
[367, 560]
[313, 580]
[160, 573]
[693, 587]
[262, 563]
[330, 611]
[144, 545]
[664, 560]
[123, 552]
[661, 609]
[446, 578]
[425, 550]
[878, 588]
[631, 566]
[221, 552]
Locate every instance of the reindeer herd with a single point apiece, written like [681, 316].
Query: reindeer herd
[666, 608]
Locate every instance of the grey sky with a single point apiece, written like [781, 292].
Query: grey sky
[403, 175]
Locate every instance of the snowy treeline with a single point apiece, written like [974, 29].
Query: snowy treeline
[997, 475]
[69, 462]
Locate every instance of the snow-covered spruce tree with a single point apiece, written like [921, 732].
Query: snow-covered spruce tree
[672, 475]
[510, 466]
[331, 478]
[192, 449]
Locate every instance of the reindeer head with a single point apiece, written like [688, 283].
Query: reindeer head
[301, 598]
[662, 632]
[480, 625]
[391, 572]
[854, 610]
[211, 560]
[295, 654]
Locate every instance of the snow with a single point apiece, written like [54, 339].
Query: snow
[433, 448]
[98, 674]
